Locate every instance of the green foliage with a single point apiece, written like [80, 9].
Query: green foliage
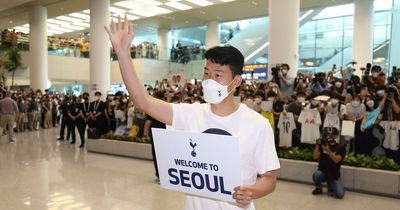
[362, 161]
[12, 60]
[146, 140]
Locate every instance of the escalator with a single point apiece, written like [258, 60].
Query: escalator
[253, 41]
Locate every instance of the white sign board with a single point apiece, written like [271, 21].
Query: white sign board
[196, 163]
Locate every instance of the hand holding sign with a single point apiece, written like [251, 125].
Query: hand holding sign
[243, 194]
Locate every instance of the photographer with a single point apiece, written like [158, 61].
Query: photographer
[390, 105]
[377, 77]
[285, 81]
[329, 155]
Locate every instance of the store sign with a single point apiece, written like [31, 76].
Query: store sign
[255, 71]
[199, 164]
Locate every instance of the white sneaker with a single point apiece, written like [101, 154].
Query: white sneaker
[11, 141]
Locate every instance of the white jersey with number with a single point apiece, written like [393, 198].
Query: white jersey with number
[310, 120]
[256, 144]
[391, 134]
[286, 126]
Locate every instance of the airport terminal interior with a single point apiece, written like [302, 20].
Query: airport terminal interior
[324, 73]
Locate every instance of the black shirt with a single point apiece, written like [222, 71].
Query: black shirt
[155, 123]
[74, 109]
[326, 164]
[85, 108]
[97, 106]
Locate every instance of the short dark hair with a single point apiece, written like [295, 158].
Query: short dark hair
[85, 94]
[97, 93]
[285, 65]
[226, 55]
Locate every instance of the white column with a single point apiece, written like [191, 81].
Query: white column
[164, 44]
[212, 34]
[395, 38]
[284, 33]
[363, 33]
[99, 47]
[38, 48]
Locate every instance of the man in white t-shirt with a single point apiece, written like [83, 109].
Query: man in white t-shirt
[221, 115]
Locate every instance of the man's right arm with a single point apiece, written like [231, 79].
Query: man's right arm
[121, 39]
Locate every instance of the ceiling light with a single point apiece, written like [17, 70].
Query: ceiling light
[116, 10]
[227, 0]
[130, 17]
[70, 19]
[80, 15]
[158, 10]
[57, 21]
[202, 3]
[73, 27]
[142, 13]
[129, 5]
[150, 2]
[178, 5]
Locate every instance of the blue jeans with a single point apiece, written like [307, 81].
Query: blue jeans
[335, 185]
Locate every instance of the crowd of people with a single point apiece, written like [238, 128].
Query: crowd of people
[302, 110]
[184, 54]
[310, 102]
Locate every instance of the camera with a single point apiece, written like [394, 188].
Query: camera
[326, 132]
[275, 71]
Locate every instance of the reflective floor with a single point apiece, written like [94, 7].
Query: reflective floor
[39, 172]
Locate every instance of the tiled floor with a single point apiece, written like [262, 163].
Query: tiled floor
[38, 173]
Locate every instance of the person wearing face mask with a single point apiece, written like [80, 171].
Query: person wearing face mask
[22, 112]
[329, 155]
[32, 113]
[355, 111]
[368, 139]
[64, 108]
[222, 75]
[285, 81]
[376, 78]
[97, 115]
[73, 114]
[296, 107]
[83, 117]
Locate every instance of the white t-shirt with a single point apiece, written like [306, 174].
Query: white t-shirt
[286, 126]
[310, 120]
[391, 134]
[332, 120]
[352, 111]
[256, 143]
[131, 114]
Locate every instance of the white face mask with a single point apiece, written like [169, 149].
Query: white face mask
[314, 102]
[97, 98]
[334, 102]
[370, 103]
[338, 84]
[301, 99]
[124, 100]
[355, 103]
[375, 74]
[381, 93]
[215, 93]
